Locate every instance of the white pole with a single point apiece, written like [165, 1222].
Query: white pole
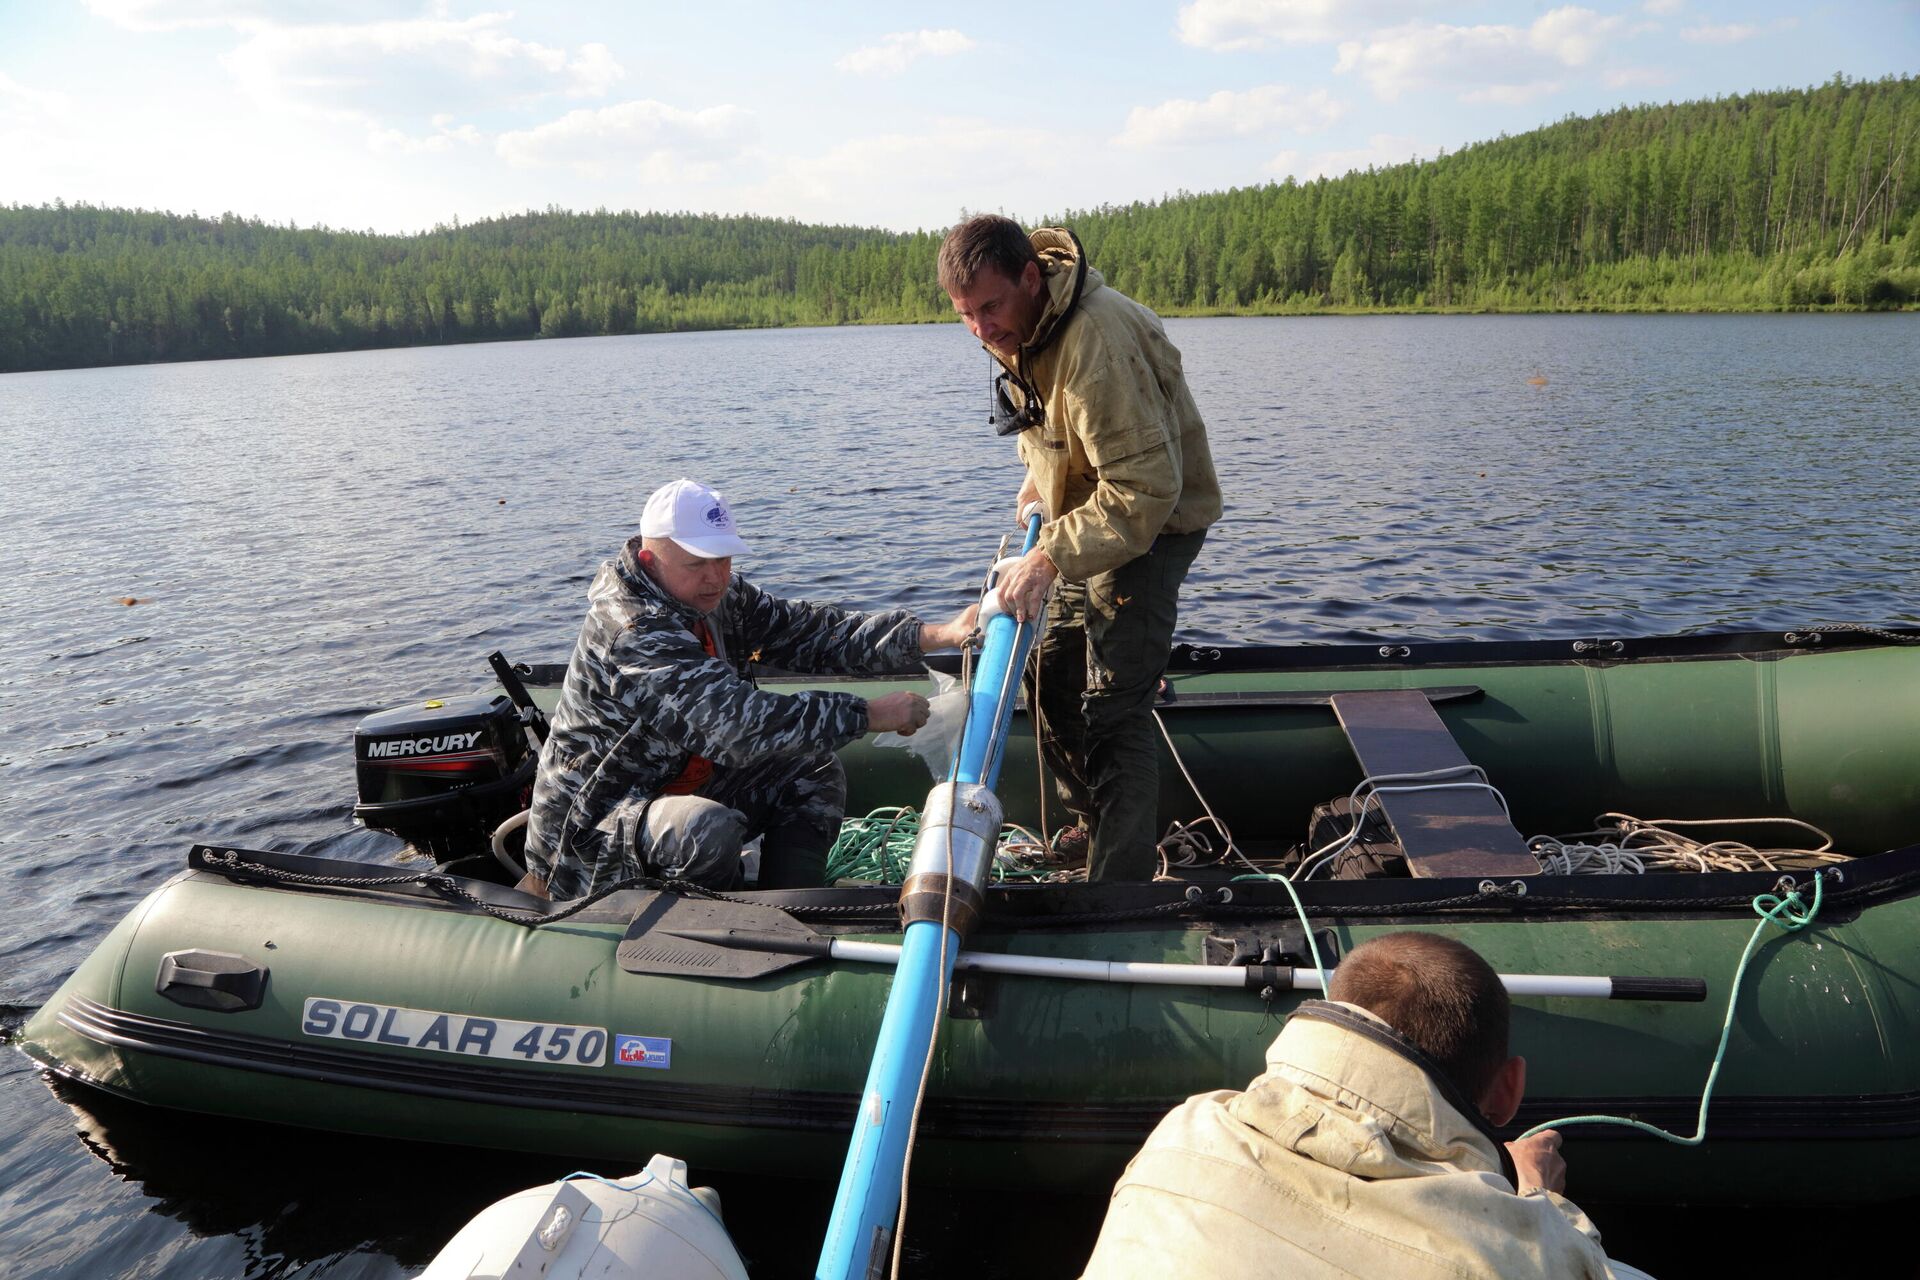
[1191, 975]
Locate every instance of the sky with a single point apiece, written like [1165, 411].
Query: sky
[398, 117]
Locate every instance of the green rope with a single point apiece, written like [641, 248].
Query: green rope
[1306, 926]
[1787, 914]
[878, 848]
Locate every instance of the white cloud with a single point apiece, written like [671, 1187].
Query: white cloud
[1663, 8]
[955, 162]
[26, 100]
[446, 136]
[659, 142]
[1627, 77]
[1382, 150]
[896, 51]
[1182, 121]
[1571, 35]
[376, 72]
[1735, 32]
[1492, 63]
[1228, 26]
[593, 72]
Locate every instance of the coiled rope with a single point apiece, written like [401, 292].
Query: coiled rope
[1622, 844]
[879, 847]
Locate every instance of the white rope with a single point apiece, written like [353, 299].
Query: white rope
[1621, 844]
[1185, 845]
[1381, 784]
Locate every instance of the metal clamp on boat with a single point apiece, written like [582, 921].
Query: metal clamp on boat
[952, 856]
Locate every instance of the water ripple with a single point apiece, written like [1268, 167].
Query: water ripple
[314, 538]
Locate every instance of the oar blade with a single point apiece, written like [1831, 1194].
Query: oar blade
[654, 943]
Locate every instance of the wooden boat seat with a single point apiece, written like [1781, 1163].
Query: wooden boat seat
[1456, 832]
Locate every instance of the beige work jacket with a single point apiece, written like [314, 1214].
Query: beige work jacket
[1343, 1159]
[1122, 456]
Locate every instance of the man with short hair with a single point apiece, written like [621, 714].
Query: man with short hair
[1367, 1149]
[664, 758]
[1117, 461]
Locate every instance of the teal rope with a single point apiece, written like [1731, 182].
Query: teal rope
[1784, 912]
[1306, 926]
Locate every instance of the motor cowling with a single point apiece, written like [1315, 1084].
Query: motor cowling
[442, 774]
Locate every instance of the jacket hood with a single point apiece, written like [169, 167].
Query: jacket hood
[1346, 1089]
[1069, 279]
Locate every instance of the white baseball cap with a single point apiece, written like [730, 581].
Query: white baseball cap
[695, 517]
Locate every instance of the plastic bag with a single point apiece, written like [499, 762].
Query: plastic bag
[936, 741]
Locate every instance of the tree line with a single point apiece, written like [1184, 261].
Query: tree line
[1788, 199]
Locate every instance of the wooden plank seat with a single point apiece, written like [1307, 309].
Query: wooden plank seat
[1459, 831]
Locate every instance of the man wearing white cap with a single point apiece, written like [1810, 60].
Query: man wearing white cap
[663, 758]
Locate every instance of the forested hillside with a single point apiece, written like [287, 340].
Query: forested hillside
[1769, 200]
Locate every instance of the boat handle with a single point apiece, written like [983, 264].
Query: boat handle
[217, 980]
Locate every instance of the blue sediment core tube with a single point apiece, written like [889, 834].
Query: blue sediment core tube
[868, 1199]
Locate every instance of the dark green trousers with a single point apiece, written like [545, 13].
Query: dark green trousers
[1097, 669]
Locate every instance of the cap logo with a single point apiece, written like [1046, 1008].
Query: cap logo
[717, 517]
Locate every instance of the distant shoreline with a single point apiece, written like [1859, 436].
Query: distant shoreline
[1214, 313]
[1788, 202]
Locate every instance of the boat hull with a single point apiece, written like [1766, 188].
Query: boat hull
[1038, 1081]
[355, 1004]
[1691, 727]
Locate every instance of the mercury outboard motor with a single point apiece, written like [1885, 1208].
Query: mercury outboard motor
[444, 773]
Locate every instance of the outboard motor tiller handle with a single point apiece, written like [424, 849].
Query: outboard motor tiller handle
[510, 681]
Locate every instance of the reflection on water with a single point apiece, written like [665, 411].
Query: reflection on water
[258, 1200]
[310, 539]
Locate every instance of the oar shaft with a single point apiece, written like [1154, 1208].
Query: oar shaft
[1302, 978]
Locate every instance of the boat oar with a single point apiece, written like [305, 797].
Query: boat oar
[942, 897]
[1249, 977]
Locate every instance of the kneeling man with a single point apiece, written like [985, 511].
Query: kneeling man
[663, 758]
[1367, 1148]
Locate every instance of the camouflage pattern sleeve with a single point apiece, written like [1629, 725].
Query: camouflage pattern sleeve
[819, 639]
[704, 707]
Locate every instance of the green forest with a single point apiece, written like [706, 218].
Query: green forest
[1794, 199]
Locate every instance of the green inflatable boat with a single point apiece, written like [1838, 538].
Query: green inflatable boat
[734, 1030]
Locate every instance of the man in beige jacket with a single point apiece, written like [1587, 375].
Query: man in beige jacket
[1366, 1150]
[1117, 459]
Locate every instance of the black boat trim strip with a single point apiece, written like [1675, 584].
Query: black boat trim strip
[1401, 654]
[1733, 1119]
[1859, 884]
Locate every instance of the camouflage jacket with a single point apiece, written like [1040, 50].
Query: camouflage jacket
[642, 696]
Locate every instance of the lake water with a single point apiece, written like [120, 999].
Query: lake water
[311, 539]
